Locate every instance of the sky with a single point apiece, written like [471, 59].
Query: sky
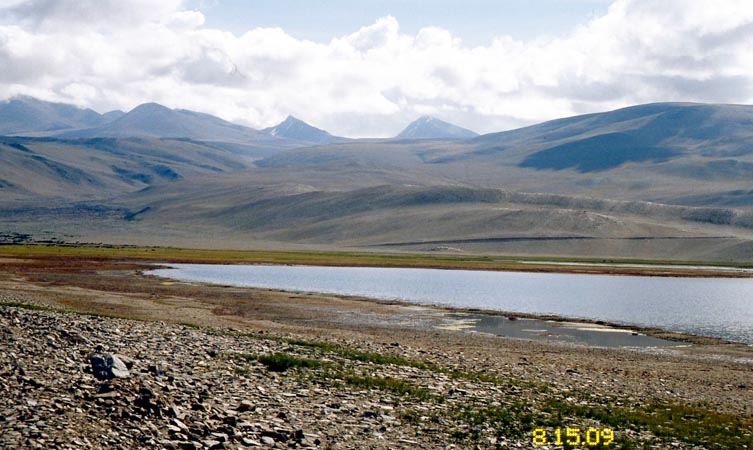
[367, 68]
[476, 22]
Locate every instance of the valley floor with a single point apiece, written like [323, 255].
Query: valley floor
[222, 367]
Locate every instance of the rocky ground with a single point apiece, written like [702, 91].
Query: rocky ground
[193, 389]
[239, 379]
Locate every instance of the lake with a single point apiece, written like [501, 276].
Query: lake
[718, 307]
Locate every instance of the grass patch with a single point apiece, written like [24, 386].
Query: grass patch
[318, 345]
[30, 307]
[666, 421]
[392, 385]
[356, 355]
[377, 358]
[493, 378]
[280, 362]
[474, 421]
[173, 254]
[506, 421]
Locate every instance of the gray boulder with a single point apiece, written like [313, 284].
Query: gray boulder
[106, 366]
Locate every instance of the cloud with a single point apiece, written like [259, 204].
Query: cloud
[101, 14]
[109, 54]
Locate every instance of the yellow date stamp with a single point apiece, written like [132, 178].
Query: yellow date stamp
[573, 437]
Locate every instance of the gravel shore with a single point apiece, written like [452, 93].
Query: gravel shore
[214, 367]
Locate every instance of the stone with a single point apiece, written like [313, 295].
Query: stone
[180, 424]
[222, 437]
[106, 366]
[129, 362]
[245, 405]
[155, 369]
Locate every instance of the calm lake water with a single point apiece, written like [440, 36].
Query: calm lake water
[719, 307]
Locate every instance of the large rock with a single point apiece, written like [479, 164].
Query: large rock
[106, 366]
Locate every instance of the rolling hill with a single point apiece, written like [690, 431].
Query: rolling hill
[667, 180]
[607, 140]
[44, 170]
[657, 152]
[436, 218]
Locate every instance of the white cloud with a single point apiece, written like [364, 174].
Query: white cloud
[110, 54]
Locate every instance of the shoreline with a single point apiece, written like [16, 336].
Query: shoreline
[362, 374]
[656, 332]
[146, 264]
[345, 258]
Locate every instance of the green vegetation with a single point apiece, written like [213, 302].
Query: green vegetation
[280, 362]
[393, 385]
[28, 306]
[667, 421]
[365, 259]
[319, 345]
[376, 358]
[347, 352]
[504, 420]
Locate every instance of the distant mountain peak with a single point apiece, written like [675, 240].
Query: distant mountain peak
[150, 107]
[429, 127]
[294, 128]
[291, 122]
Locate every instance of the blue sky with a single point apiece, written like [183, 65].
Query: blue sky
[476, 22]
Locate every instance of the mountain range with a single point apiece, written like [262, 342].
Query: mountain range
[666, 180]
[27, 116]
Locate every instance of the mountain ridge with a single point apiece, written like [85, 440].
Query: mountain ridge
[154, 120]
[28, 115]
